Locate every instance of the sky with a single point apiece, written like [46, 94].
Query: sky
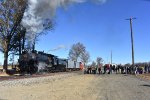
[102, 28]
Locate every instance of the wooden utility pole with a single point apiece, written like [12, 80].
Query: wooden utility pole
[111, 57]
[132, 41]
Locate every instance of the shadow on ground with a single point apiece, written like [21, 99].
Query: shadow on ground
[145, 85]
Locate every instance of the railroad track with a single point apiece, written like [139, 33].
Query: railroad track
[19, 76]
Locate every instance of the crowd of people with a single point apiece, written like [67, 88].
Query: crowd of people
[122, 69]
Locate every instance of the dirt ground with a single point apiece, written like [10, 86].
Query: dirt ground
[81, 87]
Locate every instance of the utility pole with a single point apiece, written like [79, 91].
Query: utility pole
[132, 41]
[111, 57]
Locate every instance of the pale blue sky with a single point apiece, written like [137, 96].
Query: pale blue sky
[102, 28]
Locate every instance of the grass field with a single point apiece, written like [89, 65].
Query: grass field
[9, 67]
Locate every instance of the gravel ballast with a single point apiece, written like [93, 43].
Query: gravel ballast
[35, 80]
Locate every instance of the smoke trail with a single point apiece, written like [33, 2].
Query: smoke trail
[59, 47]
[40, 10]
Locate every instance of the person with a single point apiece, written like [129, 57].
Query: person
[89, 70]
[110, 69]
[113, 68]
[122, 69]
[93, 70]
[84, 70]
[149, 68]
[105, 69]
[145, 68]
[135, 70]
[99, 68]
[125, 69]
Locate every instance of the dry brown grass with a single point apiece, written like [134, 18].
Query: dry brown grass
[144, 76]
[9, 67]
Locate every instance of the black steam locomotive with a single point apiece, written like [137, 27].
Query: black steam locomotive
[33, 62]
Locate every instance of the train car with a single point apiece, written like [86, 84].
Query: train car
[73, 65]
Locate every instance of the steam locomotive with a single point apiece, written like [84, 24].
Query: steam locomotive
[33, 62]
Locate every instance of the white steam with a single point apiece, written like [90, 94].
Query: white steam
[40, 10]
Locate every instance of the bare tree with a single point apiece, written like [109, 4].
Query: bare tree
[93, 64]
[99, 60]
[85, 57]
[76, 51]
[11, 13]
[47, 26]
